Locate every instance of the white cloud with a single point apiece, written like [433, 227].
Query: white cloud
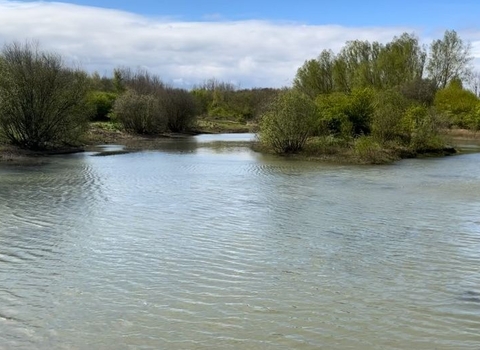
[249, 53]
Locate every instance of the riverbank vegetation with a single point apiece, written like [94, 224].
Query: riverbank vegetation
[370, 102]
[375, 102]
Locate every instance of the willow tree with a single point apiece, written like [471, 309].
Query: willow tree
[315, 77]
[42, 101]
[449, 59]
[401, 61]
[356, 65]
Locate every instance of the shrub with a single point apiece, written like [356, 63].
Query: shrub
[390, 107]
[42, 101]
[422, 129]
[420, 90]
[288, 122]
[368, 150]
[457, 104]
[180, 108]
[349, 115]
[333, 119]
[139, 113]
[101, 104]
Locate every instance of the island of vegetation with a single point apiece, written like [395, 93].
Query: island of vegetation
[368, 103]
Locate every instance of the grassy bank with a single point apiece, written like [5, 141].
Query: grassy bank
[326, 149]
[339, 151]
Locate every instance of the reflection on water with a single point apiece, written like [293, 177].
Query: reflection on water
[206, 246]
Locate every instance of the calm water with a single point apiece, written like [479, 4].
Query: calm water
[207, 245]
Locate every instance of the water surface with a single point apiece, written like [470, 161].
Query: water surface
[204, 244]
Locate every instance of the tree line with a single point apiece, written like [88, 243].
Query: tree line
[45, 103]
[377, 97]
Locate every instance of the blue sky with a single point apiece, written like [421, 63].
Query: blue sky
[420, 13]
[248, 43]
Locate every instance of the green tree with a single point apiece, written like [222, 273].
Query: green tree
[449, 59]
[315, 77]
[42, 101]
[401, 61]
[457, 104]
[348, 115]
[101, 103]
[289, 121]
[356, 66]
[390, 107]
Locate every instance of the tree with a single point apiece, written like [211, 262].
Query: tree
[140, 113]
[42, 101]
[457, 104]
[315, 77]
[288, 122]
[181, 109]
[401, 61]
[355, 66]
[449, 59]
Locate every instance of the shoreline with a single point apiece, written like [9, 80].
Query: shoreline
[98, 136]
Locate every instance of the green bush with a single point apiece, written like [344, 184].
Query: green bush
[101, 103]
[458, 105]
[421, 129]
[143, 114]
[288, 122]
[333, 119]
[344, 114]
[368, 150]
[389, 110]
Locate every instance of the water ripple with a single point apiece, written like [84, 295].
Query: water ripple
[228, 249]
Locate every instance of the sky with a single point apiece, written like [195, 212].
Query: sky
[248, 43]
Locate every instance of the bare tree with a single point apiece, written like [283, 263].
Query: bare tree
[42, 101]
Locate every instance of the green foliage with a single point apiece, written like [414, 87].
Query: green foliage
[346, 114]
[202, 99]
[370, 151]
[473, 119]
[315, 77]
[401, 61]
[286, 125]
[140, 113]
[101, 83]
[421, 129]
[449, 59]
[222, 101]
[390, 107]
[42, 101]
[333, 119]
[458, 105]
[101, 103]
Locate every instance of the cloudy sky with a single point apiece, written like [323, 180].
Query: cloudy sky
[249, 43]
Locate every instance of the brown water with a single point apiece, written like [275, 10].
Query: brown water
[205, 245]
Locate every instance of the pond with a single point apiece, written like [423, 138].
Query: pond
[205, 244]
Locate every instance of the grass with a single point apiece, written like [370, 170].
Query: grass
[363, 150]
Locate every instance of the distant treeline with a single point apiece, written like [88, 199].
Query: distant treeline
[45, 103]
[398, 94]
